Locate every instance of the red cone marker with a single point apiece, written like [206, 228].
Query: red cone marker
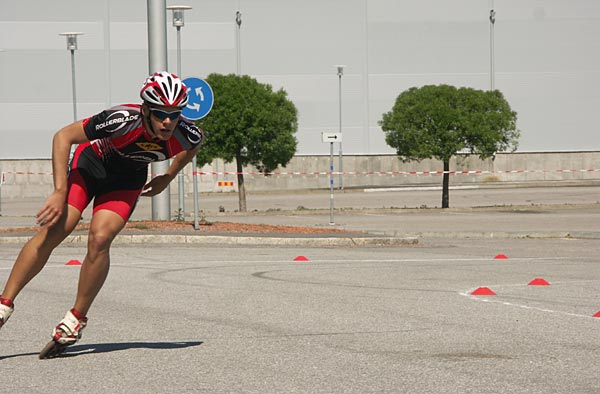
[539, 282]
[483, 291]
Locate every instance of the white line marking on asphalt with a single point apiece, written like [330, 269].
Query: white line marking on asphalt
[529, 307]
[328, 261]
[335, 261]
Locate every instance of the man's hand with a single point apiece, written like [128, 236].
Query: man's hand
[156, 185]
[52, 210]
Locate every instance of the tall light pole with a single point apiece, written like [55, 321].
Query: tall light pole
[158, 61]
[72, 46]
[238, 42]
[178, 23]
[492, 22]
[340, 73]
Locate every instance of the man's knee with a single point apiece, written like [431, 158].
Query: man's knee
[48, 238]
[99, 241]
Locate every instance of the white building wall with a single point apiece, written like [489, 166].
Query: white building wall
[547, 61]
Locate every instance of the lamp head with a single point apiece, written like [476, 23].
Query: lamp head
[178, 11]
[340, 69]
[71, 39]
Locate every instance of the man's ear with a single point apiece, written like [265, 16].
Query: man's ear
[145, 110]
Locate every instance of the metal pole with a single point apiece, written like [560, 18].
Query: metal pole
[71, 47]
[340, 72]
[238, 53]
[157, 61]
[195, 178]
[331, 222]
[73, 84]
[73, 147]
[238, 40]
[492, 61]
[238, 65]
[340, 165]
[180, 178]
[179, 22]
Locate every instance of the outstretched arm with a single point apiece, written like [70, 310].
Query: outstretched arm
[61, 148]
[160, 183]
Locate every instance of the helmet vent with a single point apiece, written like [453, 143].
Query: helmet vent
[164, 89]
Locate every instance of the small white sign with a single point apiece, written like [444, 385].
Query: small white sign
[331, 137]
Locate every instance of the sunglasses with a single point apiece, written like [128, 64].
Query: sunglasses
[162, 115]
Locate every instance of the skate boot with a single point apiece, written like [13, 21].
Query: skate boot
[65, 334]
[6, 309]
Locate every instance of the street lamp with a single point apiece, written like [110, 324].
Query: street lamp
[238, 42]
[340, 73]
[492, 22]
[72, 46]
[178, 23]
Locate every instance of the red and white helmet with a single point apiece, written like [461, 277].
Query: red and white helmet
[164, 88]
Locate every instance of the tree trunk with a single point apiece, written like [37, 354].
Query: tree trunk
[241, 186]
[446, 185]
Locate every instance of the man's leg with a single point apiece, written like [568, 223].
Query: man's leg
[37, 250]
[104, 227]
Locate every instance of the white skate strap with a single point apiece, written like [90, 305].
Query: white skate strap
[70, 325]
[5, 312]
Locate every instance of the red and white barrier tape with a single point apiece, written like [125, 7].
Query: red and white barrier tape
[472, 172]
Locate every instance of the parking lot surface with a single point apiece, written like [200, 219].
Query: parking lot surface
[348, 320]
[277, 317]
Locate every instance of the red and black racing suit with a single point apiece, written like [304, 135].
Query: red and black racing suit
[112, 167]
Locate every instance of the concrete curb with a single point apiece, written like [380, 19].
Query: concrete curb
[237, 240]
[378, 238]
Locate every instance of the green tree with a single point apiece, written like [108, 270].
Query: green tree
[440, 121]
[249, 123]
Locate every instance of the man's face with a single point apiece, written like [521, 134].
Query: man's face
[164, 120]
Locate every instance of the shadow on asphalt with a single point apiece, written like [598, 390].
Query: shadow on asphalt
[80, 350]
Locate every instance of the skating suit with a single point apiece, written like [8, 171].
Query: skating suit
[112, 167]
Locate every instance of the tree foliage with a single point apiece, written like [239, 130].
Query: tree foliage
[249, 123]
[438, 121]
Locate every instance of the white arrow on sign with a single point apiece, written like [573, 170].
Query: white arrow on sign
[331, 137]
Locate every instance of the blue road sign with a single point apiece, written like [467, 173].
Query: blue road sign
[201, 98]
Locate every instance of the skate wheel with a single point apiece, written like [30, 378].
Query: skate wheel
[52, 349]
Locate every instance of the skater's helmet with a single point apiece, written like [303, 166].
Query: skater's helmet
[166, 89]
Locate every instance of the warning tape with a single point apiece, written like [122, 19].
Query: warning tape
[276, 173]
[470, 172]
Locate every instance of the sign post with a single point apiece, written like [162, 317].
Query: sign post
[331, 138]
[200, 102]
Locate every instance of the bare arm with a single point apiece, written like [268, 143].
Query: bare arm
[160, 183]
[61, 147]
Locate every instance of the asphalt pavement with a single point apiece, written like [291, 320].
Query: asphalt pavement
[238, 319]
[221, 317]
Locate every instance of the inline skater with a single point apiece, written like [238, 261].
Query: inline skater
[109, 166]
